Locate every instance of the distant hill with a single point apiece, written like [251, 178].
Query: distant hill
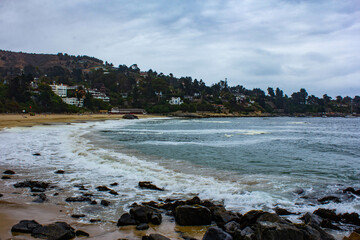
[15, 62]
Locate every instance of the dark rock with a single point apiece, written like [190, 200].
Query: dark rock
[93, 202]
[282, 211]
[9, 172]
[31, 184]
[327, 213]
[126, 219]
[5, 177]
[299, 191]
[36, 154]
[80, 233]
[25, 226]
[326, 223]
[216, 233]
[276, 230]
[37, 189]
[155, 236]
[130, 116]
[59, 172]
[222, 216]
[250, 218]
[56, 231]
[144, 214]
[149, 185]
[78, 215]
[56, 194]
[78, 199]
[88, 194]
[105, 203]
[328, 199]
[114, 184]
[352, 218]
[233, 228]
[113, 192]
[142, 226]
[193, 201]
[94, 220]
[272, 217]
[315, 233]
[208, 204]
[247, 233]
[349, 190]
[41, 198]
[103, 188]
[192, 215]
[312, 219]
[1, 194]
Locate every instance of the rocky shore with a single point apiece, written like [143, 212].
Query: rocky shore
[147, 220]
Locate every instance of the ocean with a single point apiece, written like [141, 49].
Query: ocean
[244, 163]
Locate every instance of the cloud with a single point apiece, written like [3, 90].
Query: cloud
[255, 43]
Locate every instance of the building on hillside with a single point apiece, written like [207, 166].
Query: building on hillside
[124, 95]
[176, 101]
[99, 95]
[74, 101]
[60, 90]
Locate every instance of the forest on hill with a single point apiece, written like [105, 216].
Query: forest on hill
[27, 82]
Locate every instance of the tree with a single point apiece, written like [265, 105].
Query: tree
[271, 92]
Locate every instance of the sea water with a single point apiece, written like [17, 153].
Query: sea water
[244, 163]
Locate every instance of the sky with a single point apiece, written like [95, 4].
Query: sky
[290, 44]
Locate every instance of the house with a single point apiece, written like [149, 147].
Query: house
[176, 101]
[60, 90]
[124, 95]
[74, 101]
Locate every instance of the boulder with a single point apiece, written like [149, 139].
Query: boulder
[32, 184]
[193, 201]
[144, 214]
[299, 191]
[55, 231]
[113, 192]
[282, 211]
[25, 226]
[352, 218]
[37, 189]
[149, 185]
[114, 184]
[250, 218]
[216, 233]
[103, 188]
[80, 233]
[155, 236]
[192, 215]
[59, 172]
[36, 154]
[327, 213]
[126, 219]
[9, 172]
[315, 233]
[1, 194]
[142, 226]
[233, 228]
[327, 199]
[312, 219]
[130, 116]
[78, 215]
[41, 198]
[326, 223]
[275, 231]
[105, 203]
[222, 216]
[78, 199]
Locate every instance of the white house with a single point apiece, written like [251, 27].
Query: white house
[60, 90]
[74, 101]
[176, 101]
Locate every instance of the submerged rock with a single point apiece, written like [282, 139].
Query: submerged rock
[59, 172]
[149, 185]
[32, 185]
[327, 213]
[192, 215]
[9, 172]
[105, 203]
[103, 188]
[328, 199]
[78, 199]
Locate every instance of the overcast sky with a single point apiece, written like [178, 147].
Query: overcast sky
[290, 44]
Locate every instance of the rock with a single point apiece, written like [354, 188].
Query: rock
[142, 226]
[1, 194]
[36, 154]
[250, 218]
[126, 219]
[233, 228]
[328, 199]
[94, 220]
[93, 202]
[80, 233]
[315, 233]
[78, 199]
[130, 116]
[299, 191]
[25, 226]
[41, 198]
[312, 219]
[105, 203]
[192, 215]
[103, 188]
[353, 236]
[149, 185]
[327, 213]
[37, 189]
[32, 184]
[113, 192]
[155, 236]
[352, 218]
[9, 172]
[143, 214]
[272, 217]
[78, 216]
[326, 223]
[282, 211]
[193, 201]
[216, 233]
[222, 216]
[349, 190]
[114, 184]
[247, 233]
[5, 177]
[275, 231]
[59, 172]
[88, 194]
[55, 231]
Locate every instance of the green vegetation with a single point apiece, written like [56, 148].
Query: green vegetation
[128, 87]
